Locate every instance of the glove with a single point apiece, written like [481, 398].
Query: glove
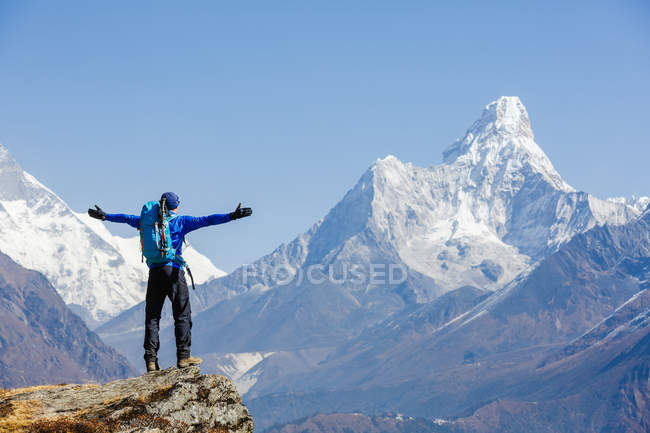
[241, 212]
[97, 213]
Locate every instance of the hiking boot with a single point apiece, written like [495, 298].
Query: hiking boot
[186, 362]
[152, 366]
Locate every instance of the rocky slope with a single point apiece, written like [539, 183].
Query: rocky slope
[99, 275]
[601, 388]
[42, 341]
[173, 400]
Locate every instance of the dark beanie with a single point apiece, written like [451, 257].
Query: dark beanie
[172, 200]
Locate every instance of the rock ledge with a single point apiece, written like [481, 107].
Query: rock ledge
[172, 400]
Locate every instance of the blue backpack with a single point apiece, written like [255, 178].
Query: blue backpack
[155, 237]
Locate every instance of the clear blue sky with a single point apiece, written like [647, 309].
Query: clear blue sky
[283, 105]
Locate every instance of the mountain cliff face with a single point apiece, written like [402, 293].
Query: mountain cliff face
[173, 400]
[98, 274]
[42, 341]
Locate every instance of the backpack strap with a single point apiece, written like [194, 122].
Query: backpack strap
[141, 245]
[165, 217]
[191, 277]
[181, 261]
[162, 212]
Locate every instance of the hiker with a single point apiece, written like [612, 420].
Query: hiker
[167, 269]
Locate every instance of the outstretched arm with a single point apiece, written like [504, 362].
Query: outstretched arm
[190, 223]
[98, 213]
[132, 220]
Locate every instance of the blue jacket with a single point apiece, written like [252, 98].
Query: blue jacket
[178, 228]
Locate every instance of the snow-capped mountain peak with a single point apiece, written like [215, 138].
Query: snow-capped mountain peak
[502, 140]
[15, 182]
[508, 114]
[496, 195]
[506, 117]
[5, 157]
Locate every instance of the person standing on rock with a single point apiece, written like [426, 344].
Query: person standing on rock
[167, 269]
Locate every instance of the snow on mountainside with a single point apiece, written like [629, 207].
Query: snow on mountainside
[638, 203]
[497, 195]
[96, 273]
[237, 366]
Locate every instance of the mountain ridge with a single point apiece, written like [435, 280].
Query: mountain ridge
[42, 341]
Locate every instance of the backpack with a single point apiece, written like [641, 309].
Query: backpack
[155, 237]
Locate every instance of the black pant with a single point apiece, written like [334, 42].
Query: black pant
[167, 281]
